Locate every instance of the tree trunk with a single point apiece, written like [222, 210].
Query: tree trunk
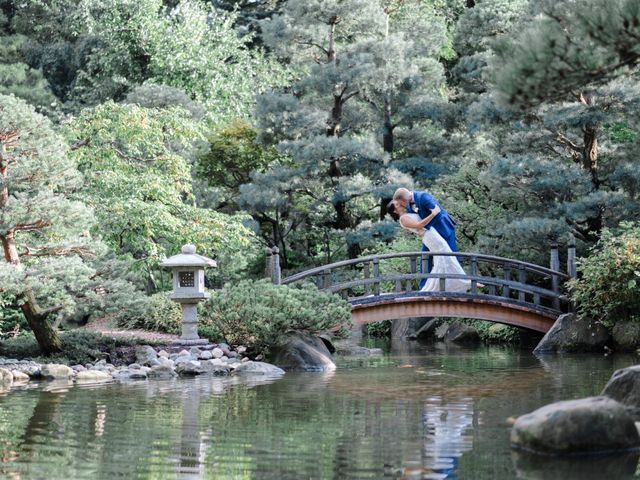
[47, 338]
[590, 164]
[387, 144]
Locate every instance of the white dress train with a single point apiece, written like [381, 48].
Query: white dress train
[441, 263]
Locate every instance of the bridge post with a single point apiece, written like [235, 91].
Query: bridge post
[376, 276]
[571, 258]
[554, 264]
[268, 264]
[276, 276]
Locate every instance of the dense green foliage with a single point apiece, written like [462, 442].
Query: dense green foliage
[608, 288]
[257, 314]
[289, 123]
[160, 315]
[79, 347]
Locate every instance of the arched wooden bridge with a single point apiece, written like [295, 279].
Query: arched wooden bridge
[503, 290]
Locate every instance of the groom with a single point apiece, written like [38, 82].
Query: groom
[423, 203]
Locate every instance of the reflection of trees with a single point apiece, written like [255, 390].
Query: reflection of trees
[412, 415]
[597, 467]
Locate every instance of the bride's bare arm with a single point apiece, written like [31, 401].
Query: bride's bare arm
[407, 222]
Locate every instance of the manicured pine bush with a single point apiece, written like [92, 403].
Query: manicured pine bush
[256, 313]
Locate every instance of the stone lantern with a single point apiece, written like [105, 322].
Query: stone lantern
[188, 289]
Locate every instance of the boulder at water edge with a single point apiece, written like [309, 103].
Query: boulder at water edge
[573, 334]
[56, 371]
[302, 352]
[258, 368]
[462, 334]
[6, 377]
[587, 425]
[624, 387]
[626, 336]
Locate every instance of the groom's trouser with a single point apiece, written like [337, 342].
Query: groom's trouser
[450, 238]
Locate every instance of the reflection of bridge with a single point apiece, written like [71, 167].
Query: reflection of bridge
[384, 287]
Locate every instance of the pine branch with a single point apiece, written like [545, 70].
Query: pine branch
[56, 251]
[29, 227]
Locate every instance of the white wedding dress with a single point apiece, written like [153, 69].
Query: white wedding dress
[441, 263]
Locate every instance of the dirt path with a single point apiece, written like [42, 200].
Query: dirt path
[102, 326]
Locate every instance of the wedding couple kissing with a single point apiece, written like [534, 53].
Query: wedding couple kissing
[420, 213]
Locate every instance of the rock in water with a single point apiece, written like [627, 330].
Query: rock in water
[624, 387]
[572, 334]
[587, 425]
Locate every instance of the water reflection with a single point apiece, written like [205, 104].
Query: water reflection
[193, 442]
[538, 467]
[421, 412]
[446, 435]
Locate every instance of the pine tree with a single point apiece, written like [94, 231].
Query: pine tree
[43, 232]
[364, 69]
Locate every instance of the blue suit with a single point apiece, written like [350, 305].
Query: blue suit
[443, 223]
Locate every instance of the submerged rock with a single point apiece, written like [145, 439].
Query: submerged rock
[573, 334]
[93, 376]
[587, 425]
[258, 368]
[530, 466]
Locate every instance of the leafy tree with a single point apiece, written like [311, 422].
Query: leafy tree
[136, 163]
[54, 44]
[202, 55]
[16, 76]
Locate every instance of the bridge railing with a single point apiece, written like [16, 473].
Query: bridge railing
[399, 273]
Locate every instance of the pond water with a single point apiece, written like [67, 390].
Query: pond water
[418, 412]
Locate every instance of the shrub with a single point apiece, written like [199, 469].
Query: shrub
[161, 315]
[78, 347]
[257, 313]
[491, 332]
[12, 321]
[608, 288]
[379, 329]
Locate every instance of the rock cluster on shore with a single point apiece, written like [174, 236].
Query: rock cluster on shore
[218, 360]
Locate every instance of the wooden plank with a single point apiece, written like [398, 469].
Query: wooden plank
[506, 292]
[367, 286]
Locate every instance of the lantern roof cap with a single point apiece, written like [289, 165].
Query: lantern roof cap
[188, 258]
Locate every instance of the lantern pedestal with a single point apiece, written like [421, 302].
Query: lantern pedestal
[190, 325]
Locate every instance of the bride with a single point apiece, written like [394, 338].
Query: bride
[436, 244]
